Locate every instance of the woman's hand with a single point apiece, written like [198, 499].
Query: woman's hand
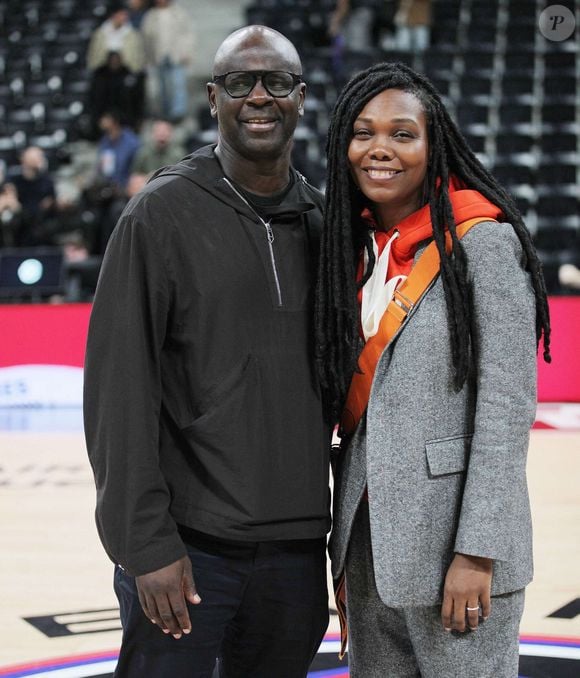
[467, 591]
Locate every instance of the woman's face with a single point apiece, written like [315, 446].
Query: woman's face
[388, 154]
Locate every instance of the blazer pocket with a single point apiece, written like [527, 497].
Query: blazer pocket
[448, 455]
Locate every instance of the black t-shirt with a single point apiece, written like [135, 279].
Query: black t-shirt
[263, 203]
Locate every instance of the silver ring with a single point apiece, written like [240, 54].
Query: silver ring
[472, 609]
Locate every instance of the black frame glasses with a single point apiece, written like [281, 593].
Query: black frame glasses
[239, 84]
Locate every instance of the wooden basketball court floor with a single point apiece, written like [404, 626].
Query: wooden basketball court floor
[58, 614]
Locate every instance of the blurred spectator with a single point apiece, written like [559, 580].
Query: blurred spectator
[9, 209]
[107, 186]
[116, 150]
[74, 247]
[136, 183]
[569, 276]
[117, 34]
[116, 87]
[159, 150]
[82, 269]
[413, 25]
[356, 26]
[351, 24]
[137, 10]
[33, 188]
[169, 43]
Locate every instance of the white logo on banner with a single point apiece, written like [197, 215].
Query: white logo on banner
[41, 386]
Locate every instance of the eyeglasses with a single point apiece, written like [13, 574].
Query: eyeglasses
[239, 84]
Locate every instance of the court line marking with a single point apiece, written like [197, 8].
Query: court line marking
[82, 666]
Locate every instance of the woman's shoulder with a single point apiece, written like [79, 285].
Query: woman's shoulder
[490, 230]
[488, 236]
[493, 248]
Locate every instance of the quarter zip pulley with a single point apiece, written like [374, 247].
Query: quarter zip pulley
[269, 235]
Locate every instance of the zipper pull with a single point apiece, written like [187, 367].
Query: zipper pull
[269, 231]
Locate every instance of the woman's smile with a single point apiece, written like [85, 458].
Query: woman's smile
[382, 174]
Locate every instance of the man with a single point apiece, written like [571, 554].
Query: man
[203, 418]
[106, 193]
[116, 60]
[168, 35]
[116, 150]
[353, 20]
[117, 34]
[114, 87]
[35, 193]
[160, 150]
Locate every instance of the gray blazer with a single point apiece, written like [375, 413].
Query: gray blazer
[446, 470]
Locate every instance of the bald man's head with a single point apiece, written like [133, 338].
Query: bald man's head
[258, 124]
[251, 40]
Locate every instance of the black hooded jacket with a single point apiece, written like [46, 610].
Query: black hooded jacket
[201, 405]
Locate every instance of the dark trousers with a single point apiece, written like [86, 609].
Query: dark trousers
[263, 615]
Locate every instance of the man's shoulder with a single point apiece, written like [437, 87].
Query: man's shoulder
[170, 184]
[156, 196]
[200, 167]
[310, 191]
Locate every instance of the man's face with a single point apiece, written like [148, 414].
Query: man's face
[257, 126]
[106, 124]
[120, 18]
[161, 133]
[33, 160]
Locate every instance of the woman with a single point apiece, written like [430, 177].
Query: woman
[426, 262]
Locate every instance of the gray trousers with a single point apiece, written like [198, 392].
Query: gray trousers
[386, 642]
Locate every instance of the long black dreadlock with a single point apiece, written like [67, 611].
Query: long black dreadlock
[337, 314]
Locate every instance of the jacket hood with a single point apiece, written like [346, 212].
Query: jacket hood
[203, 169]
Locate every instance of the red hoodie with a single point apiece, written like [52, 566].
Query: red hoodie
[414, 229]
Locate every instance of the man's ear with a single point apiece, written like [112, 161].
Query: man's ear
[211, 96]
[301, 97]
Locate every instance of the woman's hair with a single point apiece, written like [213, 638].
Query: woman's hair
[337, 313]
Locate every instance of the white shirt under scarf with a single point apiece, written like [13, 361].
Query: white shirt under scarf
[377, 292]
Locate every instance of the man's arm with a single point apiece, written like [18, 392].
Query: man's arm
[122, 403]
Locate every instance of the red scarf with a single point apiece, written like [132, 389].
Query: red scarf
[414, 229]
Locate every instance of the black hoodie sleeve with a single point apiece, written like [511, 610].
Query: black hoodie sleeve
[122, 400]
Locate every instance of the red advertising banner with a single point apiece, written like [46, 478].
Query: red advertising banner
[42, 351]
[43, 334]
[559, 381]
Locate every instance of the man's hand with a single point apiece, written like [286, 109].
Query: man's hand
[163, 593]
[467, 585]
